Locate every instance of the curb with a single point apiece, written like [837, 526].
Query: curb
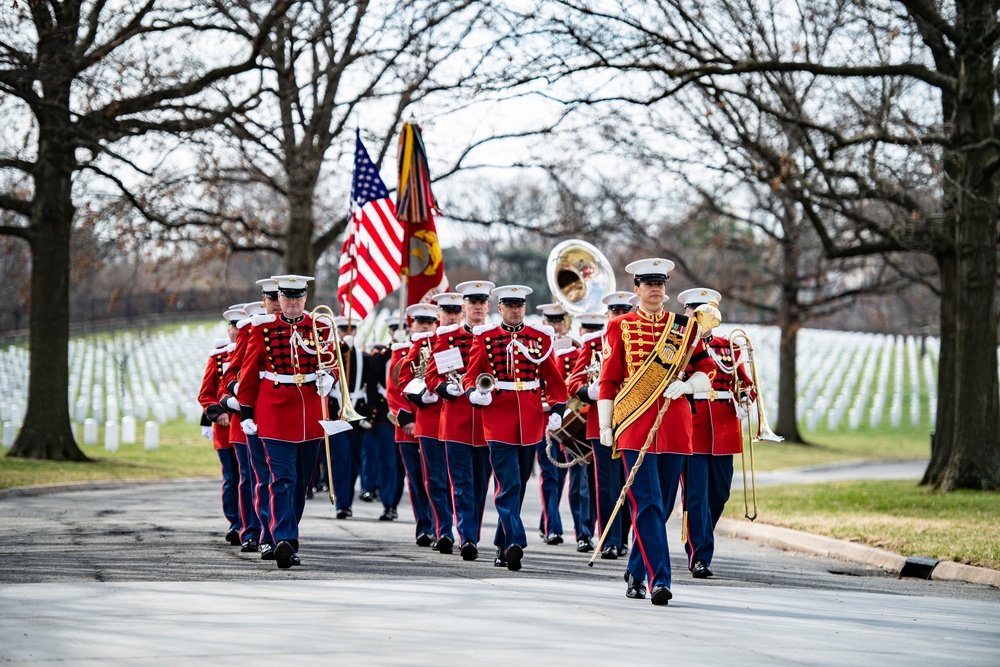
[95, 485]
[820, 545]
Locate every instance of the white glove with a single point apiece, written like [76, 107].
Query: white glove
[593, 390]
[677, 388]
[206, 432]
[453, 389]
[249, 426]
[741, 412]
[429, 397]
[232, 404]
[555, 421]
[605, 414]
[479, 398]
[324, 383]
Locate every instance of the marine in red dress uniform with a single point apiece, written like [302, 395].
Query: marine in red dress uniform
[427, 407]
[628, 341]
[461, 425]
[216, 426]
[278, 387]
[708, 475]
[406, 439]
[520, 358]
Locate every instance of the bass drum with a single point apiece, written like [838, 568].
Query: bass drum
[572, 437]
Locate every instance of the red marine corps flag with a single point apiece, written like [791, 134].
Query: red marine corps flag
[371, 259]
[423, 270]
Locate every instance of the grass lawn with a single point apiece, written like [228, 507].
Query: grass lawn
[962, 526]
[182, 453]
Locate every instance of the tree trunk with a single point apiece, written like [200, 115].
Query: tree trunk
[46, 433]
[971, 429]
[299, 257]
[947, 409]
[789, 323]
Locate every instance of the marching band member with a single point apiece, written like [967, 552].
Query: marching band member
[633, 386]
[520, 358]
[717, 435]
[258, 458]
[380, 440]
[551, 478]
[461, 427]
[218, 428]
[428, 417]
[584, 384]
[345, 447]
[406, 440]
[279, 385]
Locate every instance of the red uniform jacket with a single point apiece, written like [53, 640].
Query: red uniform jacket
[717, 429]
[283, 410]
[579, 382]
[628, 341]
[460, 420]
[218, 360]
[398, 405]
[428, 415]
[520, 358]
[232, 376]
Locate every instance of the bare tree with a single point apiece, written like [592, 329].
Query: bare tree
[85, 78]
[856, 81]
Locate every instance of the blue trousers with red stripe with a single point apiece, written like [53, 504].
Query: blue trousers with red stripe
[249, 522]
[651, 500]
[291, 465]
[421, 504]
[706, 481]
[381, 444]
[469, 472]
[607, 474]
[230, 486]
[580, 505]
[551, 482]
[435, 461]
[507, 461]
[345, 452]
[262, 488]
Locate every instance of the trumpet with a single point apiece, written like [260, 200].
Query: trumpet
[456, 378]
[739, 342]
[327, 360]
[485, 383]
[419, 367]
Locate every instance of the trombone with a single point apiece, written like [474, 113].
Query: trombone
[741, 392]
[327, 360]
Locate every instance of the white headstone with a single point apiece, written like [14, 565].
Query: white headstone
[8, 435]
[111, 436]
[151, 439]
[89, 431]
[128, 430]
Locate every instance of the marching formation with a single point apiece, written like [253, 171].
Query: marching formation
[640, 405]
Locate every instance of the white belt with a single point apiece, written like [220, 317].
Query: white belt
[719, 396]
[355, 395]
[519, 385]
[381, 390]
[288, 379]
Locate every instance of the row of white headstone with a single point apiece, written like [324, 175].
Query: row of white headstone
[122, 380]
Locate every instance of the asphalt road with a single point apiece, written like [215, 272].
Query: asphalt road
[141, 573]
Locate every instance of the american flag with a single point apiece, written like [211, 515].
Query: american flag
[372, 254]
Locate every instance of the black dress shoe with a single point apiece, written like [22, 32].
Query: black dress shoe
[267, 552]
[700, 570]
[514, 555]
[367, 496]
[554, 539]
[283, 553]
[424, 540]
[636, 590]
[660, 595]
[445, 545]
[469, 550]
[622, 552]
[233, 537]
[295, 560]
[345, 513]
[609, 552]
[250, 546]
[395, 514]
[584, 545]
[500, 558]
[386, 515]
